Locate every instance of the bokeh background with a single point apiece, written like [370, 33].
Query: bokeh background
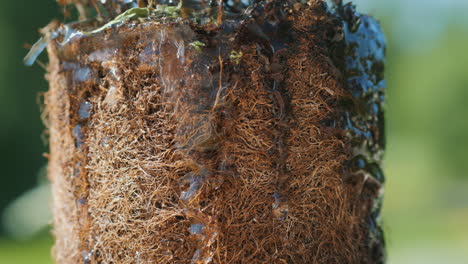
[426, 204]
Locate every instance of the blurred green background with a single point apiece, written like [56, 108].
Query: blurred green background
[426, 203]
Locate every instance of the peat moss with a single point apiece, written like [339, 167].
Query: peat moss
[166, 151]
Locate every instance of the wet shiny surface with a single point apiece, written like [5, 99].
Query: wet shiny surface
[364, 44]
[78, 134]
[364, 67]
[85, 110]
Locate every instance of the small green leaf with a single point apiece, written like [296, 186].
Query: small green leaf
[197, 45]
[236, 56]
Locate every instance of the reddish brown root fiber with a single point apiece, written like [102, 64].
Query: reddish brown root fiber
[182, 143]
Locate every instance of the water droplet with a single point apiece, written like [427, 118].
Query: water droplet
[138, 257]
[199, 258]
[195, 185]
[113, 70]
[87, 256]
[76, 170]
[82, 74]
[102, 55]
[196, 255]
[280, 207]
[360, 162]
[81, 201]
[85, 110]
[196, 229]
[105, 142]
[78, 134]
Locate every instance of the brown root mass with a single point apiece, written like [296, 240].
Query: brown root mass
[162, 153]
